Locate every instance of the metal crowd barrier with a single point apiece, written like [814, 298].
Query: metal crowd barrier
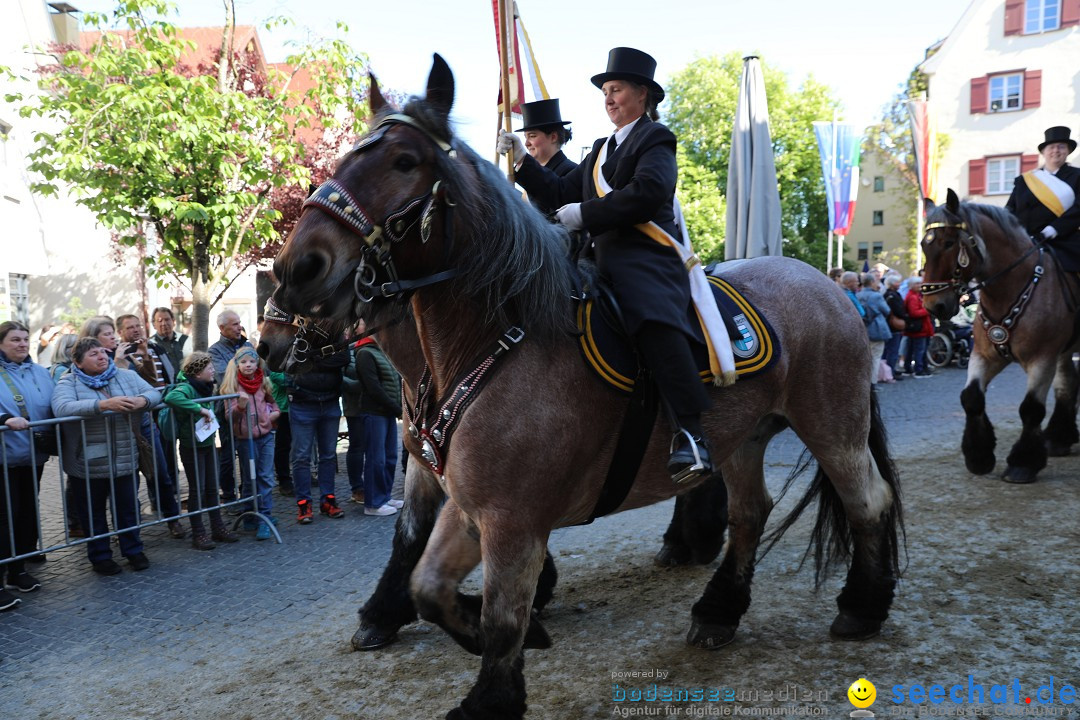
[246, 502]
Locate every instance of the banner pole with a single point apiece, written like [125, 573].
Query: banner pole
[504, 57]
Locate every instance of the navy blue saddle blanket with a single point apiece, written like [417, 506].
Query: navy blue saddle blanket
[609, 353]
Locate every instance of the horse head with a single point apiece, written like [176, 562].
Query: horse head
[410, 209]
[954, 253]
[395, 185]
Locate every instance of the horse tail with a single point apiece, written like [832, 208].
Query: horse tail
[830, 541]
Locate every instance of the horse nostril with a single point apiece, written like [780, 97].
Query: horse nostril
[263, 350]
[309, 267]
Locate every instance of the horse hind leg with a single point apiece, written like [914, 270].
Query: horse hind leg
[716, 616]
[390, 606]
[859, 514]
[512, 561]
[1061, 432]
[696, 533]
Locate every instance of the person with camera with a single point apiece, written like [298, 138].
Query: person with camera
[25, 395]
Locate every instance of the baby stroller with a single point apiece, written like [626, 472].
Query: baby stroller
[950, 342]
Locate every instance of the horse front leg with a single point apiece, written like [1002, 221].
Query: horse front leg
[716, 616]
[390, 606]
[1028, 455]
[1061, 432]
[978, 442]
[512, 562]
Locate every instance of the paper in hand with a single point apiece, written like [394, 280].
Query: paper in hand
[205, 428]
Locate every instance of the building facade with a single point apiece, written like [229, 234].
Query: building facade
[1008, 70]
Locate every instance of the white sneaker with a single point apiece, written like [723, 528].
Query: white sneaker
[396, 503]
[387, 509]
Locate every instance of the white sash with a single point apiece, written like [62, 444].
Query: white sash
[721, 358]
[1050, 190]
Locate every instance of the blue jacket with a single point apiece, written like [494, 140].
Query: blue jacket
[32, 382]
[877, 312]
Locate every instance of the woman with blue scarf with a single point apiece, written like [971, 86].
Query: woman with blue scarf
[25, 393]
[108, 464]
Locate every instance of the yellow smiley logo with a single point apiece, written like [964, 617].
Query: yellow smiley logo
[862, 693]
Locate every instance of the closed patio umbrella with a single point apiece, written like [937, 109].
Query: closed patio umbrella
[753, 200]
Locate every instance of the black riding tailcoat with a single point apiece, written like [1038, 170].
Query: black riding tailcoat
[560, 165]
[648, 278]
[1034, 216]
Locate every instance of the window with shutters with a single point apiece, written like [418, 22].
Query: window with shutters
[1006, 92]
[1041, 16]
[879, 183]
[879, 217]
[1000, 173]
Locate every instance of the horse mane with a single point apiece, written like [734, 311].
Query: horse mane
[516, 265]
[1004, 219]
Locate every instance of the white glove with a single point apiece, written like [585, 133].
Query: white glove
[1049, 232]
[570, 216]
[509, 141]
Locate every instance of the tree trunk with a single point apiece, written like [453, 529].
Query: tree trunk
[200, 310]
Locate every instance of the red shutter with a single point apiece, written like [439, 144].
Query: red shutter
[1070, 12]
[1014, 17]
[979, 87]
[1032, 88]
[977, 176]
[1028, 162]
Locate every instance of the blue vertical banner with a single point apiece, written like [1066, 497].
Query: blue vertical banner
[839, 145]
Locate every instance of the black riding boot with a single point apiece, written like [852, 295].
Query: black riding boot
[666, 352]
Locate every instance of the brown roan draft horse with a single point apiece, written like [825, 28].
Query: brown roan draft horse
[1027, 314]
[694, 536]
[414, 210]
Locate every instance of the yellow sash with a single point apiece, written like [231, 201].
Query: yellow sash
[1049, 190]
[723, 372]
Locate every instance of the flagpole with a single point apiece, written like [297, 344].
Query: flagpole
[504, 57]
[828, 244]
[832, 168]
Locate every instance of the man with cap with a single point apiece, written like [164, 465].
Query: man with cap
[623, 195]
[1045, 199]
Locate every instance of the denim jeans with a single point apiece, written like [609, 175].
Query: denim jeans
[354, 456]
[918, 352]
[380, 458]
[314, 423]
[259, 452]
[891, 354]
[92, 516]
[282, 446]
[162, 490]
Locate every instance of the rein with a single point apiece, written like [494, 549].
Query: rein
[301, 347]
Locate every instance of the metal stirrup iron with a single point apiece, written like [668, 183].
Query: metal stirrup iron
[690, 472]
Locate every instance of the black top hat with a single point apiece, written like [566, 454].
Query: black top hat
[625, 63]
[541, 114]
[1056, 134]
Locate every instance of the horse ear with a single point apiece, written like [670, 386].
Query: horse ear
[440, 85]
[375, 96]
[928, 205]
[952, 202]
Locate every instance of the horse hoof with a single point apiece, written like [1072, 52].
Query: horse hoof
[536, 637]
[673, 556]
[1054, 449]
[372, 638]
[849, 627]
[980, 466]
[1019, 475]
[710, 636]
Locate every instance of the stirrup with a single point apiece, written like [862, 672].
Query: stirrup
[693, 471]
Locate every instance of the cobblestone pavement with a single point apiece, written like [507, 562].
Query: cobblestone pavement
[80, 635]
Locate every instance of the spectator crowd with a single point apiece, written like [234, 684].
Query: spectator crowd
[136, 402]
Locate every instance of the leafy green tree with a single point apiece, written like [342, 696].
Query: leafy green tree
[191, 156]
[704, 96]
[703, 208]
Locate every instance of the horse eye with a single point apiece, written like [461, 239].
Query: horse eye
[405, 163]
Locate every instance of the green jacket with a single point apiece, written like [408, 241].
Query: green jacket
[182, 401]
[281, 382]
